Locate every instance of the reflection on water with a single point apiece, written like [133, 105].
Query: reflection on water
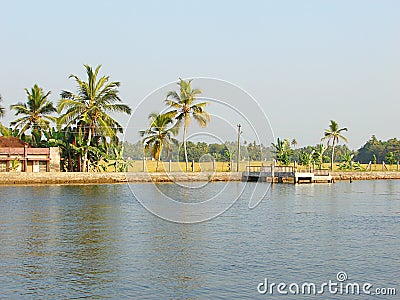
[96, 241]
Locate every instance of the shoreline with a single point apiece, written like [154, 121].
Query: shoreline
[18, 178]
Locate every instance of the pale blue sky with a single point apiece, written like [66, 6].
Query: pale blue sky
[305, 62]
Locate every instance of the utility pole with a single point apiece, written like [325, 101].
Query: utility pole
[238, 148]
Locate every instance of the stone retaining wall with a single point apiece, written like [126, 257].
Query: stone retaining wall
[8, 178]
[364, 175]
[82, 178]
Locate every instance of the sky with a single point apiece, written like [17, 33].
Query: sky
[304, 62]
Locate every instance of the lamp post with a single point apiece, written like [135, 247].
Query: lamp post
[238, 148]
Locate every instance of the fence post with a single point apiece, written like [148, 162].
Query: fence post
[273, 171]
[169, 166]
[213, 162]
[144, 163]
[192, 165]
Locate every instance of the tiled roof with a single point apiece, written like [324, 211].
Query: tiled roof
[12, 142]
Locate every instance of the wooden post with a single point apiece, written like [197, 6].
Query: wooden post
[144, 164]
[192, 165]
[273, 170]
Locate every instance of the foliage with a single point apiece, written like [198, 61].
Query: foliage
[35, 114]
[334, 134]
[348, 163]
[15, 163]
[282, 151]
[89, 110]
[184, 106]
[306, 158]
[120, 164]
[134, 151]
[254, 151]
[379, 149]
[293, 142]
[159, 135]
[390, 158]
[318, 155]
[2, 109]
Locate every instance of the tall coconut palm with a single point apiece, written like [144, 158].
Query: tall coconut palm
[159, 135]
[89, 108]
[334, 135]
[35, 113]
[294, 142]
[2, 109]
[184, 106]
[2, 113]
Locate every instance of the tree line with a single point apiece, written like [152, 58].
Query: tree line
[82, 125]
[83, 128]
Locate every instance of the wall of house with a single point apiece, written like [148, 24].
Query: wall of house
[55, 159]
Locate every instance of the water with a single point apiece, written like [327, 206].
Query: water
[97, 241]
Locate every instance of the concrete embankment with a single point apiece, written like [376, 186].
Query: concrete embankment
[8, 178]
[337, 176]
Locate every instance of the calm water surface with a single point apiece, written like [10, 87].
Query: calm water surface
[97, 241]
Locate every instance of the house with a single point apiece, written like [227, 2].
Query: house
[17, 155]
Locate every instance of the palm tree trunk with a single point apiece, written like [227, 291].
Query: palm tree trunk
[79, 162]
[184, 146]
[333, 155]
[85, 157]
[159, 156]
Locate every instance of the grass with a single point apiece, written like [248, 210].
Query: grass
[150, 166]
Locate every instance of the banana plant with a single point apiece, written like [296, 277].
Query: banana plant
[348, 163]
[306, 158]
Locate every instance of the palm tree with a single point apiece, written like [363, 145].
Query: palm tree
[89, 108]
[2, 109]
[294, 142]
[334, 134]
[2, 113]
[184, 106]
[159, 135]
[35, 113]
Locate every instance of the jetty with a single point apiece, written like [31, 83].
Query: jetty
[283, 174]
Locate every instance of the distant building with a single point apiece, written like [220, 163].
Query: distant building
[18, 156]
